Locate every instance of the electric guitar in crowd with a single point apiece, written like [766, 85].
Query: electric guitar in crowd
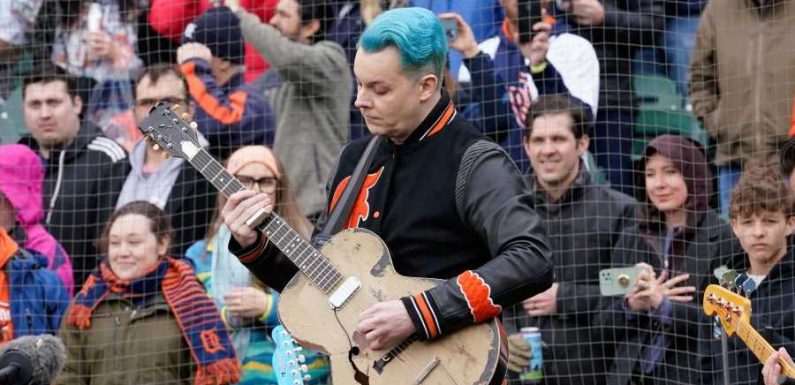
[734, 313]
[321, 305]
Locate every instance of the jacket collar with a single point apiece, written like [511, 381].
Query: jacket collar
[88, 131]
[440, 116]
[573, 193]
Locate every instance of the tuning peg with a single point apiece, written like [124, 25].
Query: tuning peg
[297, 382]
[304, 368]
[156, 147]
[307, 377]
[194, 125]
[301, 358]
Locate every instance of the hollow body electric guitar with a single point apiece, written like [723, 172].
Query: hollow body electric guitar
[734, 313]
[321, 305]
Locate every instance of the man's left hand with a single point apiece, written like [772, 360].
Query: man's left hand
[194, 50]
[385, 324]
[542, 304]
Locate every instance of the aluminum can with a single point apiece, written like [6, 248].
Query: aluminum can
[94, 17]
[533, 373]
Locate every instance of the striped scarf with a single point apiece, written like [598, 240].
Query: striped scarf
[196, 314]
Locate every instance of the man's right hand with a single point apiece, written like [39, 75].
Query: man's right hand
[239, 208]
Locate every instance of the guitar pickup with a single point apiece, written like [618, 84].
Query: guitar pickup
[344, 292]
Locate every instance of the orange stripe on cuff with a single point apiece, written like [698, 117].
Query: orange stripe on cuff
[427, 317]
[478, 296]
[252, 255]
[208, 103]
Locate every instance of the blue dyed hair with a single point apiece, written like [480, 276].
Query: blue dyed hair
[417, 35]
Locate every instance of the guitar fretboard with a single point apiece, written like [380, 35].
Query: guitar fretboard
[308, 259]
[761, 348]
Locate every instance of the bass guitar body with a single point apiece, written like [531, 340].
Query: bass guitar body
[473, 355]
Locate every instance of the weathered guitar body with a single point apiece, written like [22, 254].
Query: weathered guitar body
[469, 356]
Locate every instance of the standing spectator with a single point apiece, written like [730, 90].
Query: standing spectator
[584, 223]
[172, 184]
[681, 25]
[762, 217]
[169, 19]
[684, 241]
[21, 182]
[744, 97]
[84, 170]
[230, 112]
[506, 76]
[248, 306]
[141, 316]
[617, 29]
[96, 42]
[32, 298]
[311, 95]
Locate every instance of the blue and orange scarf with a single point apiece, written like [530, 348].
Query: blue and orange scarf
[196, 314]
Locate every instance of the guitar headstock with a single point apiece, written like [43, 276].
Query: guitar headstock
[729, 307]
[166, 129]
[288, 362]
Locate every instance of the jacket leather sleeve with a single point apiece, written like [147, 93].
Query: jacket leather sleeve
[490, 198]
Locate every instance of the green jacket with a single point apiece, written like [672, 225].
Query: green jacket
[127, 346]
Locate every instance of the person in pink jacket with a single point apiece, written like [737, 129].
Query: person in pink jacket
[21, 179]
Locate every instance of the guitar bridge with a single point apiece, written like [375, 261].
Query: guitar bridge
[344, 293]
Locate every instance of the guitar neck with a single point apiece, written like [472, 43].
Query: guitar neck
[761, 348]
[307, 258]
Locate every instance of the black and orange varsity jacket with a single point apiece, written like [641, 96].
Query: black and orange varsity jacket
[449, 204]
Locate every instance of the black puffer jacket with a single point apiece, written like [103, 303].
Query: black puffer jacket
[81, 185]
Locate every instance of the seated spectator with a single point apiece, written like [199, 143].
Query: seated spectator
[762, 217]
[248, 306]
[309, 85]
[584, 222]
[505, 76]
[684, 240]
[169, 19]
[744, 99]
[96, 43]
[83, 170]
[141, 316]
[32, 298]
[171, 184]
[230, 113]
[21, 181]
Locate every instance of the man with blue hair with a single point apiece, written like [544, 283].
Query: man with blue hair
[447, 202]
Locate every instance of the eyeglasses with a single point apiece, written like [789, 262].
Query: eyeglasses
[149, 102]
[265, 184]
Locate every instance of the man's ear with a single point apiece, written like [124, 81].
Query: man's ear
[735, 228]
[77, 102]
[429, 86]
[791, 223]
[310, 29]
[582, 144]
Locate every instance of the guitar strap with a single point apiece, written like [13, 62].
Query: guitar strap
[341, 211]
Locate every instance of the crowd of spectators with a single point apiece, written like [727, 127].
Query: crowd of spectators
[96, 219]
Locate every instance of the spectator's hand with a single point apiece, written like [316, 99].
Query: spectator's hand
[238, 209]
[647, 294]
[542, 304]
[100, 46]
[586, 12]
[772, 369]
[190, 51]
[246, 302]
[233, 5]
[519, 353]
[464, 41]
[384, 324]
[678, 294]
[536, 50]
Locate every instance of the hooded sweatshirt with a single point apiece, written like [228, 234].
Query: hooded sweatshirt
[21, 181]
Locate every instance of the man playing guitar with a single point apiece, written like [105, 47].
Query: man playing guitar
[448, 203]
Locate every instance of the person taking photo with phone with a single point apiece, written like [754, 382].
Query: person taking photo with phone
[684, 240]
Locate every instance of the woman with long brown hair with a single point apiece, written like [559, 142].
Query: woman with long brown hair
[247, 306]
